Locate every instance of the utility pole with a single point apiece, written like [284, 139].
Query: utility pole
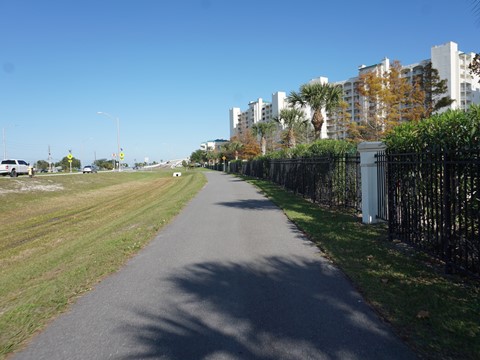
[49, 160]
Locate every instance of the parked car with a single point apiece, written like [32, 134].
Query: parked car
[89, 169]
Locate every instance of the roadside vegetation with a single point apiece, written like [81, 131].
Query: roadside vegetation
[438, 315]
[62, 234]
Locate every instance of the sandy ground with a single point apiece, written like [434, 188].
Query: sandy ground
[31, 186]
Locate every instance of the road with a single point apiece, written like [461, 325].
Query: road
[230, 278]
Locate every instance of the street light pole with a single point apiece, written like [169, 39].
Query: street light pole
[118, 135]
[4, 145]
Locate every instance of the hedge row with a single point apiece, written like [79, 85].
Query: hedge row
[453, 130]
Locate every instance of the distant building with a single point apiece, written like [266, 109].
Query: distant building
[213, 145]
[452, 65]
[258, 111]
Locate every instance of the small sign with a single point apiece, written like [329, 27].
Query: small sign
[224, 158]
[70, 160]
[70, 156]
[122, 155]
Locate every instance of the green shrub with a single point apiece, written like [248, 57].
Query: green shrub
[452, 130]
[318, 148]
[330, 147]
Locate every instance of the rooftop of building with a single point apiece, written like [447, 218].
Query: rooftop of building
[217, 140]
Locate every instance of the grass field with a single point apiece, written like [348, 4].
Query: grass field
[62, 234]
[437, 315]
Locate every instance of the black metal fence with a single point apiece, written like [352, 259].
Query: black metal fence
[217, 167]
[431, 200]
[330, 180]
[382, 186]
[434, 204]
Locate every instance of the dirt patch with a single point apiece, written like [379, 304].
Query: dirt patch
[31, 186]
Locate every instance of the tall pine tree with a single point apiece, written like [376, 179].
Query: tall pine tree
[435, 90]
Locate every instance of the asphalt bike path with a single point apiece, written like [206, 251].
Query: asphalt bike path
[229, 278]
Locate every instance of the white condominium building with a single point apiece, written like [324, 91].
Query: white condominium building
[258, 111]
[452, 65]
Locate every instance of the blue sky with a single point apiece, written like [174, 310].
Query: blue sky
[171, 70]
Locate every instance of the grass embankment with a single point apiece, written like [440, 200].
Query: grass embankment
[437, 315]
[62, 234]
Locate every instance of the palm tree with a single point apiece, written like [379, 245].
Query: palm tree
[263, 129]
[233, 148]
[318, 96]
[290, 117]
[212, 157]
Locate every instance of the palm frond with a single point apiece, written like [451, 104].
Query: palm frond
[476, 10]
[295, 99]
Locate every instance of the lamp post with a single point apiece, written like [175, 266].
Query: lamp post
[118, 135]
[5, 141]
[4, 145]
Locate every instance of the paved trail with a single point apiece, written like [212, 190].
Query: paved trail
[229, 278]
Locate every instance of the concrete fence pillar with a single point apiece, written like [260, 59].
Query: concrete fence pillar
[368, 169]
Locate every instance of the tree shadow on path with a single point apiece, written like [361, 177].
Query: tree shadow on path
[251, 204]
[273, 308]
